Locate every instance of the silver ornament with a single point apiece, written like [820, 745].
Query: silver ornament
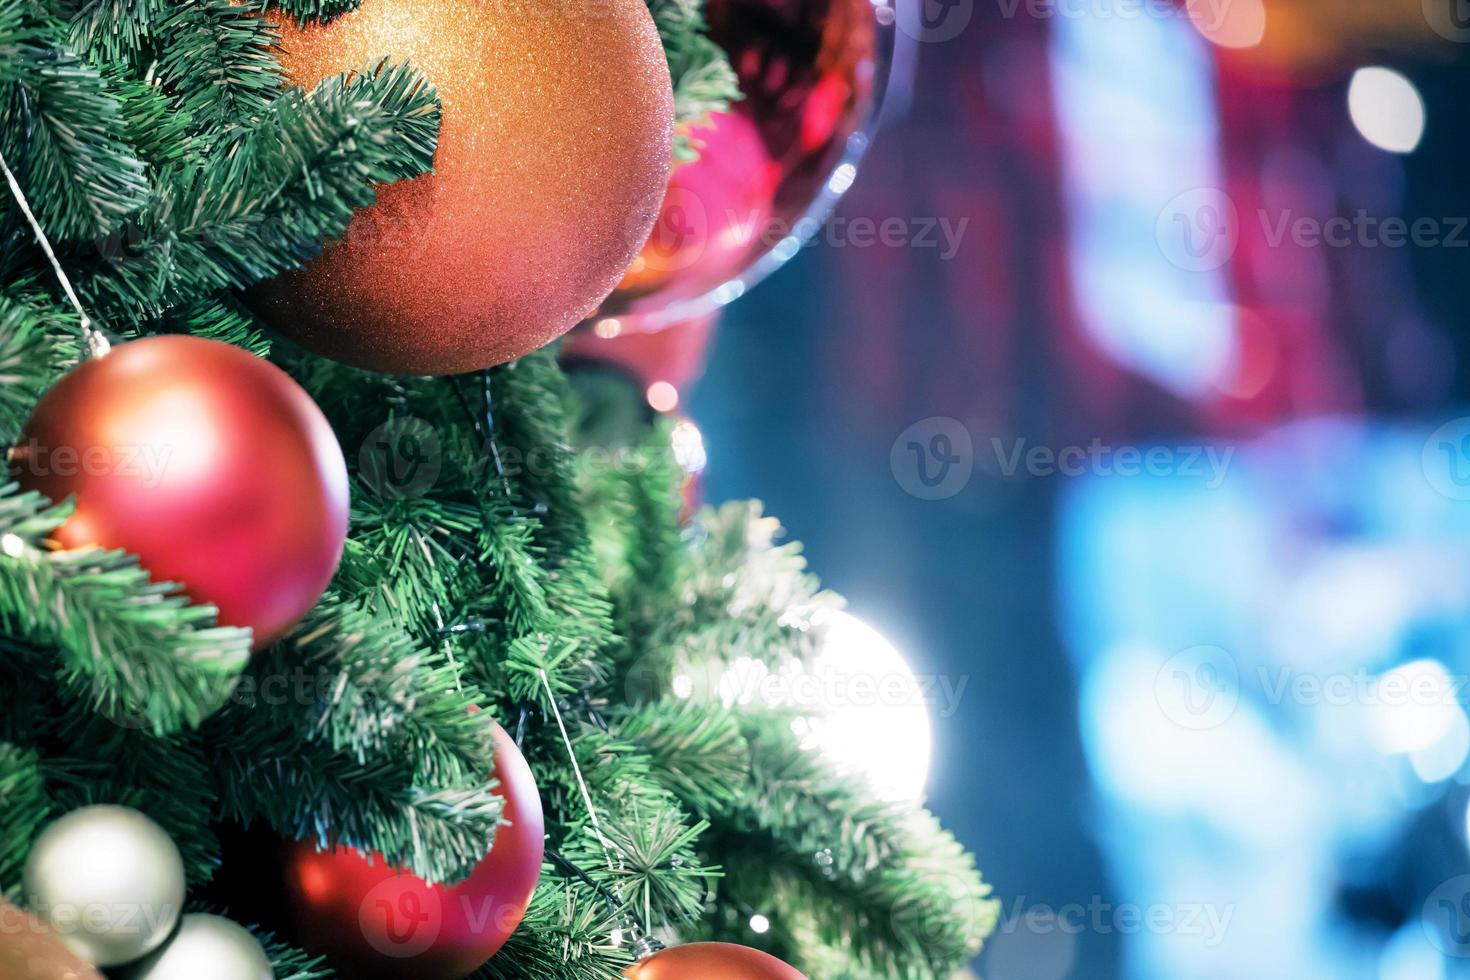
[205, 946]
[108, 880]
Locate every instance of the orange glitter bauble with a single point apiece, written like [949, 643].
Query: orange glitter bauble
[711, 961]
[554, 153]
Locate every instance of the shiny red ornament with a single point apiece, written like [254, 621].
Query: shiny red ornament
[372, 920]
[812, 73]
[210, 464]
[712, 961]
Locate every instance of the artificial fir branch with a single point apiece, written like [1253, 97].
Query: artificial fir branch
[95, 759]
[221, 318]
[137, 647]
[347, 729]
[118, 30]
[64, 128]
[697, 749]
[704, 81]
[230, 44]
[322, 10]
[26, 807]
[30, 357]
[568, 934]
[174, 168]
[290, 963]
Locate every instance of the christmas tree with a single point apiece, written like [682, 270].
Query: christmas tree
[557, 588]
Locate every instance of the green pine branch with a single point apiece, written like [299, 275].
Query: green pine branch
[138, 649]
[63, 131]
[24, 809]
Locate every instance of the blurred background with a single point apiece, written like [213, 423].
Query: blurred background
[1145, 439]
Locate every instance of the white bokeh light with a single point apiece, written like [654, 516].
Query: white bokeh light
[1387, 109]
[1414, 708]
[688, 446]
[862, 705]
[877, 720]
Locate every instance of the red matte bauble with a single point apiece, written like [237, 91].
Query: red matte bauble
[811, 73]
[372, 920]
[554, 151]
[712, 961]
[210, 464]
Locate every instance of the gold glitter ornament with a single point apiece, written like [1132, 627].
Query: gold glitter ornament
[554, 152]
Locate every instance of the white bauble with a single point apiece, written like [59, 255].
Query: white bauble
[206, 946]
[108, 880]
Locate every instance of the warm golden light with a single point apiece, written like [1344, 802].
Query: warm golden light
[1230, 23]
[663, 397]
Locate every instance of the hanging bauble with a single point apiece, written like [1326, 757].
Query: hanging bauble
[205, 946]
[713, 218]
[108, 880]
[711, 961]
[771, 169]
[30, 951]
[210, 464]
[373, 920]
[554, 153]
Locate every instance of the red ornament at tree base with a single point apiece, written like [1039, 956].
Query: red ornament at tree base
[210, 464]
[711, 961]
[372, 920]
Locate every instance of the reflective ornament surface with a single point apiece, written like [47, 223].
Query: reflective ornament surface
[205, 946]
[372, 920]
[772, 168]
[210, 464]
[712, 961]
[108, 880]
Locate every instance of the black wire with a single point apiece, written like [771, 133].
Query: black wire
[464, 403]
[615, 908]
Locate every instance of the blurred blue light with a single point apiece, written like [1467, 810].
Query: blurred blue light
[1151, 226]
[1272, 675]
